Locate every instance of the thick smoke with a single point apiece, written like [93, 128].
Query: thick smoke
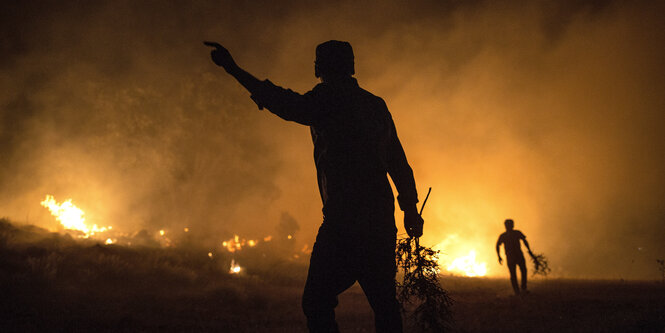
[549, 113]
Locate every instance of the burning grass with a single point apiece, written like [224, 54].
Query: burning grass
[84, 285]
[62, 283]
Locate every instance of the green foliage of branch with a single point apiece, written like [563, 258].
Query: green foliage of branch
[420, 292]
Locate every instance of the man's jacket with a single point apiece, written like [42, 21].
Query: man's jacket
[355, 146]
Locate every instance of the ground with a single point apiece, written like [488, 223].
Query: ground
[55, 283]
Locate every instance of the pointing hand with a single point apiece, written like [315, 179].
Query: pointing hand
[221, 56]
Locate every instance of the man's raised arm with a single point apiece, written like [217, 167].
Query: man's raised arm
[285, 103]
[222, 58]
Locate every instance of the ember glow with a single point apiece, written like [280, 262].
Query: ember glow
[71, 217]
[235, 268]
[236, 243]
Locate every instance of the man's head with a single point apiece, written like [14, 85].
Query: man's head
[509, 224]
[334, 59]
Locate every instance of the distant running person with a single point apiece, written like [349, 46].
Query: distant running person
[511, 244]
[355, 148]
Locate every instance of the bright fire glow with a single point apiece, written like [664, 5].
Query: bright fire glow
[109, 241]
[235, 268]
[459, 256]
[70, 216]
[468, 265]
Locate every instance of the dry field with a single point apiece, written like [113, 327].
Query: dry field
[52, 283]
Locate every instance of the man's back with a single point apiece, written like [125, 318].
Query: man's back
[353, 136]
[511, 240]
[355, 145]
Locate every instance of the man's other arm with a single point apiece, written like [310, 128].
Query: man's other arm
[402, 175]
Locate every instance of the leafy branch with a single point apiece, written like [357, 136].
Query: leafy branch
[540, 264]
[420, 291]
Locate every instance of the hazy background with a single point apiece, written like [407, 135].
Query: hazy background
[550, 113]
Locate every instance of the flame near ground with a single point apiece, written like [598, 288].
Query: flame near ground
[72, 217]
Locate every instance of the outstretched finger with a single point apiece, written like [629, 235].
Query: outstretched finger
[213, 44]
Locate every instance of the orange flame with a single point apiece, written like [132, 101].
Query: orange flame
[236, 243]
[70, 216]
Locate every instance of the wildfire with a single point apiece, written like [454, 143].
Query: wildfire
[70, 216]
[468, 265]
[235, 268]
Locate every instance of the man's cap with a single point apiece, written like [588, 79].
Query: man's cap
[335, 56]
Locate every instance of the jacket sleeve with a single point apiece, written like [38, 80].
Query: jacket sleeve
[400, 171]
[285, 103]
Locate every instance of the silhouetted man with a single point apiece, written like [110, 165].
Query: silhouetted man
[355, 148]
[511, 244]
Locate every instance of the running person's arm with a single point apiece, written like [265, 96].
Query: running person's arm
[498, 250]
[527, 245]
[285, 103]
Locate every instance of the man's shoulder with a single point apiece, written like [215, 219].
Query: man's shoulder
[370, 96]
[357, 93]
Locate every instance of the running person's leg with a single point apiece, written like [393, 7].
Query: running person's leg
[512, 266]
[522, 265]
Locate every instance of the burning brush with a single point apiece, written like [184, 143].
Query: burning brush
[540, 264]
[420, 290]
